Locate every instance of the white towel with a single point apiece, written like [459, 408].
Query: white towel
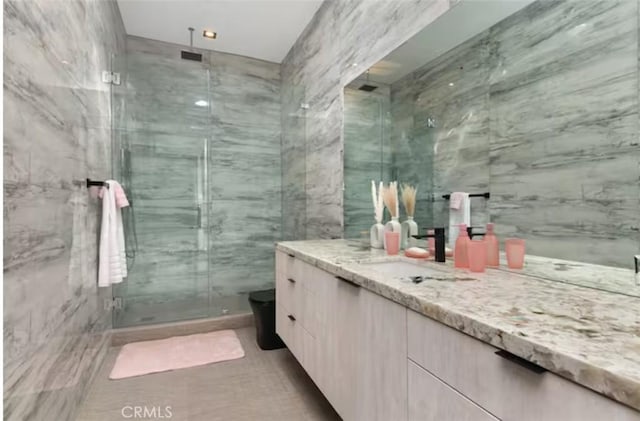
[113, 261]
[462, 215]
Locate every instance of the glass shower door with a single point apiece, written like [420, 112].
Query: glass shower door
[161, 137]
[367, 156]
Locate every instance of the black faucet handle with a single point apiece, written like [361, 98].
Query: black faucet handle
[437, 232]
[471, 233]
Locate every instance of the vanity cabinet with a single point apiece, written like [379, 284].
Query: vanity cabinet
[432, 399]
[356, 345]
[502, 387]
[381, 386]
[374, 359]
[289, 300]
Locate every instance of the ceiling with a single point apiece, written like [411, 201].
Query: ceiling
[264, 29]
[462, 22]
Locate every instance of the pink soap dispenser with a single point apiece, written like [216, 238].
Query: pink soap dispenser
[491, 241]
[461, 252]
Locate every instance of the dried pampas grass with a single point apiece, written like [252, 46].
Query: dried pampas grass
[378, 206]
[390, 198]
[409, 199]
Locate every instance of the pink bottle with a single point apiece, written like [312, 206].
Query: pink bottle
[491, 241]
[460, 252]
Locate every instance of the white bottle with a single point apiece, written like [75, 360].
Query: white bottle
[409, 228]
[377, 236]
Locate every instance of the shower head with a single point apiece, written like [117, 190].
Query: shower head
[367, 88]
[190, 55]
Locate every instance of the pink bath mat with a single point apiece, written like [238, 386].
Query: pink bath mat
[140, 358]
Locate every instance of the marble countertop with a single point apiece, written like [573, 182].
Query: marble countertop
[588, 336]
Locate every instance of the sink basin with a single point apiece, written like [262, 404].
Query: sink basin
[402, 269]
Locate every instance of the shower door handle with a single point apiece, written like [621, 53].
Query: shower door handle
[199, 209]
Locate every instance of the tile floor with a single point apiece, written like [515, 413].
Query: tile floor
[264, 385]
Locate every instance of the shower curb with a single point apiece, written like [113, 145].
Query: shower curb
[123, 336]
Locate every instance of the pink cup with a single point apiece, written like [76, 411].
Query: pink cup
[515, 252]
[477, 251]
[392, 240]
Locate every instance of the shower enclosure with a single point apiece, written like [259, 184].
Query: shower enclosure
[195, 245]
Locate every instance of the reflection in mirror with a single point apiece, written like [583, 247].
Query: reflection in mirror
[366, 151]
[604, 278]
[535, 102]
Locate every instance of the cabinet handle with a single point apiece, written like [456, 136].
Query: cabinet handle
[290, 255]
[293, 281]
[353, 284]
[290, 316]
[521, 361]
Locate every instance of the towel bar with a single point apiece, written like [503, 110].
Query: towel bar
[486, 195]
[96, 183]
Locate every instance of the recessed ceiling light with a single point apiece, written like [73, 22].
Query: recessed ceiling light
[450, 83]
[209, 34]
[202, 103]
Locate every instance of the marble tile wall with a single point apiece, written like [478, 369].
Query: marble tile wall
[223, 158]
[293, 147]
[538, 111]
[344, 38]
[56, 133]
[564, 149]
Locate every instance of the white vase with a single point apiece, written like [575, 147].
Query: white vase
[409, 228]
[393, 226]
[377, 236]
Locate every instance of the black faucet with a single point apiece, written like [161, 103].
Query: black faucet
[438, 234]
[472, 234]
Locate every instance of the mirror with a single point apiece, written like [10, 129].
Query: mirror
[535, 102]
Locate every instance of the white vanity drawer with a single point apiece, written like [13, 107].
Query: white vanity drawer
[310, 354]
[289, 266]
[289, 292]
[289, 282]
[432, 400]
[290, 331]
[298, 290]
[504, 388]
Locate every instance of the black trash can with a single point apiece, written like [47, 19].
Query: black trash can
[263, 305]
